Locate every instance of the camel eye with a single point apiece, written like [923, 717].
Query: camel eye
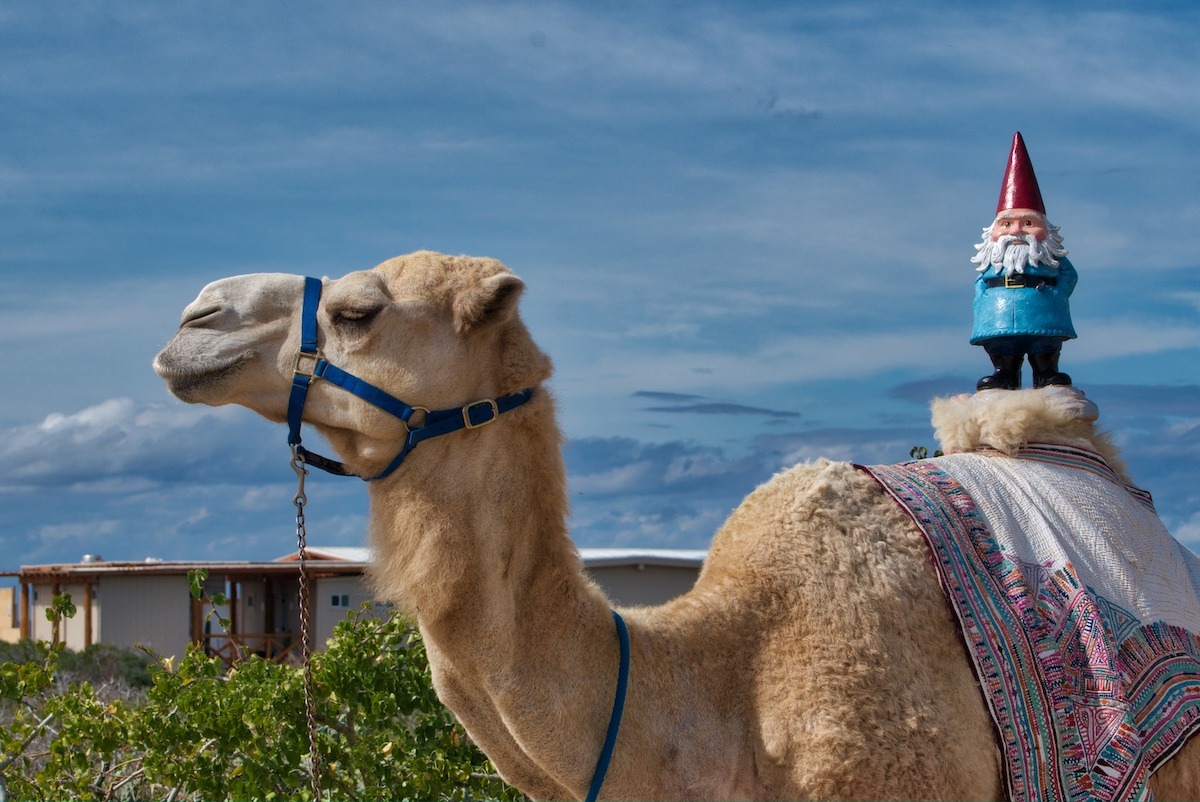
[355, 317]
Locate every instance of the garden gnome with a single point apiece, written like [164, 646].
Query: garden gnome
[1024, 282]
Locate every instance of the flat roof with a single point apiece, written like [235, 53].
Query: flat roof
[95, 570]
[323, 560]
[353, 554]
[592, 557]
[681, 558]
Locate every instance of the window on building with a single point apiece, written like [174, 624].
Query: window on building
[340, 600]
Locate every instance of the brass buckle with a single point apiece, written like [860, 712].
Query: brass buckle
[1010, 284]
[315, 356]
[466, 413]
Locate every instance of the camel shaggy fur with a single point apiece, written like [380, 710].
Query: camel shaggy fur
[815, 658]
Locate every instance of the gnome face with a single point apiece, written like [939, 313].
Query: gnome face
[1020, 223]
[1018, 239]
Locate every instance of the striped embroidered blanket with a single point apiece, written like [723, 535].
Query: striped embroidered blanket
[1079, 610]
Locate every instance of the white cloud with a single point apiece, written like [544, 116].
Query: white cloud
[100, 307]
[615, 480]
[266, 497]
[88, 422]
[119, 442]
[1108, 339]
[674, 528]
[785, 359]
[1192, 298]
[1188, 532]
[118, 486]
[743, 201]
[86, 531]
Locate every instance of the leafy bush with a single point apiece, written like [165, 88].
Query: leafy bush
[100, 663]
[206, 733]
[103, 664]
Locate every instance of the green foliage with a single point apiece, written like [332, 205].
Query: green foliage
[128, 670]
[921, 452]
[103, 664]
[202, 732]
[60, 607]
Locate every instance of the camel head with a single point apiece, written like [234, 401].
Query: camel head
[432, 330]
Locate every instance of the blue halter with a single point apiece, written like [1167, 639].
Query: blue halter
[431, 423]
[435, 424]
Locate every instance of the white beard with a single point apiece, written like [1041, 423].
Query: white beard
[1014, 254]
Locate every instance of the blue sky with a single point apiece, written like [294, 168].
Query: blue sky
[745, 230]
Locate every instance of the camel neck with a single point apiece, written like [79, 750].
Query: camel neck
[472, 538]
[481, 513]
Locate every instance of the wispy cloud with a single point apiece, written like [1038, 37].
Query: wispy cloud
[674, 398]
[1191, 298]
[748, 208]
[132, 480]
[721, 408]
[119, 440]
[684, 403]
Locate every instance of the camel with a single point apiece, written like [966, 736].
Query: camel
[815, 657]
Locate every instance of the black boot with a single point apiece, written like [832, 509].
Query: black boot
[1007, 375]
[1045, 370]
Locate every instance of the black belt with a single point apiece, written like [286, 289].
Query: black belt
[1020, 280]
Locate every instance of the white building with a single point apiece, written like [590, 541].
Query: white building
[150, 603]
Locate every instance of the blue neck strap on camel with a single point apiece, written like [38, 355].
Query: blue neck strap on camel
[614, 719]
[310, 365]
[434, 424]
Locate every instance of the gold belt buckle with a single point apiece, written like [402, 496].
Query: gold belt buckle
[1014, 281]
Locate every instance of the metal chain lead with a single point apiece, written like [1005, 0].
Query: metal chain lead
[310, 704]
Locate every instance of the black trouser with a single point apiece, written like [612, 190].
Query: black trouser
[1007, 354]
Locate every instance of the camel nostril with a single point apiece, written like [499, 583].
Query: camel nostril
[199, 316]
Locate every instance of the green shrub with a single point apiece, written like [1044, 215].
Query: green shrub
[101, 663]
[202, 732]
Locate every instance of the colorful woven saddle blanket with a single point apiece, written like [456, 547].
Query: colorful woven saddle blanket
[1079, 610]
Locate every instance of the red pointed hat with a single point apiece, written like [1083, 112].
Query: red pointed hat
[1019, 190]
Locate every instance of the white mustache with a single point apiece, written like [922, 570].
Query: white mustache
[1013, 253]
[1007, 239]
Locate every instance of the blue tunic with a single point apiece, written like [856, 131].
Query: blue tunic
[1025, 311]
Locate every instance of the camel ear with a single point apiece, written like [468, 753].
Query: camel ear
[491, 301]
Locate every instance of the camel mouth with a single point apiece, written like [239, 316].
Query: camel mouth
[195, 383]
